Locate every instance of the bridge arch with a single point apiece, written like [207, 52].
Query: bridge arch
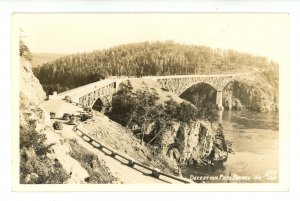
[188, 86]
[98, 105]
[179, 84]
[199, 94]
[101, 103]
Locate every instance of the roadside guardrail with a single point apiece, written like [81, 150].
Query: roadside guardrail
[155, 172]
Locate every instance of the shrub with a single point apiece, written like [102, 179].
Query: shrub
[41, 170]
[30, 138]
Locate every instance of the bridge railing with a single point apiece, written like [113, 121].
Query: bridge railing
[155, 172]
[85, 88]
[77, 92]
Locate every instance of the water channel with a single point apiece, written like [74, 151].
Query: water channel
[255, 142]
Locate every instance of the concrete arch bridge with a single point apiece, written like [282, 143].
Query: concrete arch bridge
[103, 90]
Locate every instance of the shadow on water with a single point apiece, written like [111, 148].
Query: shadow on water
[252, 120]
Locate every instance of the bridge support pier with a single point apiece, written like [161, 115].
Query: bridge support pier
[219, 100]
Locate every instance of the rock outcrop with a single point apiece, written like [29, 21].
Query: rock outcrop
[196, 142]
[31, 91]
[254, 93]
[257, 92]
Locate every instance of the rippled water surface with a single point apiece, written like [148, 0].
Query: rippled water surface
[255, 143]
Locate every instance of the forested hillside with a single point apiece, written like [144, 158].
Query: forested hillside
[143, 59]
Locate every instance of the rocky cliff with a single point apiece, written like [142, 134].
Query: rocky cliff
[256, 92]
[253, 93]
[31, 91]
[195, 143]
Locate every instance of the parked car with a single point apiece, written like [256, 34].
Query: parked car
[86, 116]
[68, 99]
[58, 125]
[52, 115]
[73, 120]
[66, 116]
[87, 109]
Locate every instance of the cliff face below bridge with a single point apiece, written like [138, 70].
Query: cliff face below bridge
[195, 143]
[258, 92]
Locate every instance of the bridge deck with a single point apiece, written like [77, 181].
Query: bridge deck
[78, 92]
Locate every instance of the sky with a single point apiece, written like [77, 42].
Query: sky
[258, 34]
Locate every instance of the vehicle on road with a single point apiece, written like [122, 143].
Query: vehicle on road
[58, 125]
[86, 116]
[66, 116]
[52, 115]
[87, 109]
[73, 120]
[68, 99]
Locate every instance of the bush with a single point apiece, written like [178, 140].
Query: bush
[30, 138]
[186, 112]
[41, 170]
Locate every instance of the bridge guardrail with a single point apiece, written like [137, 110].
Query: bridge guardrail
[131, 162]
[91, 86]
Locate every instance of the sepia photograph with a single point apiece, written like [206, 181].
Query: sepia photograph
[150, 98]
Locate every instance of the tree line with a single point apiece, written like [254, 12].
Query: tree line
[144, 59]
